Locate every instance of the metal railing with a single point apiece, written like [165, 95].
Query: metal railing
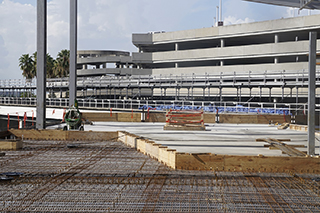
[162, 105]
[298, 77]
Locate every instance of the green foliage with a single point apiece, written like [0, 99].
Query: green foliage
[62, 64]
[50, 66]
[26, 65]
[55, 68]
[27, 95]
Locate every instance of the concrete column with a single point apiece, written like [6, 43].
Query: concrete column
[276, 60]
[222, 43]
[276, 38]
[176, 46]
[221, 63]
[41, 63]
[312, 92]
[73, 53]
[176, 65]
[84, 66]
[297, 95]
[104, 65]
[176, 96]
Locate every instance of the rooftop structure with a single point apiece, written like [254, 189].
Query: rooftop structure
[307, 4]
[105, 62]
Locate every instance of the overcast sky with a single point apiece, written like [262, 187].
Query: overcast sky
[109, 24]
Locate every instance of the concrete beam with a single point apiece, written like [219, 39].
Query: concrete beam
[312, 92]
[73, 52]
[41, 63]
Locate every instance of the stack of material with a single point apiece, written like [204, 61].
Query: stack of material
[184, 120]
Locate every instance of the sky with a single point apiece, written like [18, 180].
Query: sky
[109, 24]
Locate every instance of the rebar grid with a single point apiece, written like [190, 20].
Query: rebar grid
[110, 177]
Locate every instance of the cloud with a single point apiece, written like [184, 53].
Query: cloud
[233, 20]
[17, 30]
[109, 24]
[3, 54]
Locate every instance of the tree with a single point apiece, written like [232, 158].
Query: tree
[50, 65]
[55, 68]
[26, 65]
[62, 64]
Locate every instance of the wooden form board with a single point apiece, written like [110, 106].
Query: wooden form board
[208, 117]
[64, 135]
[298, 127]
[150, 148]
[208, 161]
[10, 144]
[186, 161]
[247, 163]
[253, 119]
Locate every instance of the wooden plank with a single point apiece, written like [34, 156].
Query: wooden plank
[263, 140]
[39, 134]
[10, 144]
[129, 117]
[100, 116]
[64, 135]
[248, 163]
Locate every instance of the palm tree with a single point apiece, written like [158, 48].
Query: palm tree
[62, 63]
[50, 65]
[26, 65]
[34, 64]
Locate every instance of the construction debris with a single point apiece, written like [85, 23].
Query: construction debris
[287, 149]
[284, 126]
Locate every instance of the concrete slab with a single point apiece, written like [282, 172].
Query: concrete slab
[227, 139]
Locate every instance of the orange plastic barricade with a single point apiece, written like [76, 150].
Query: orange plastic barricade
[184, 120]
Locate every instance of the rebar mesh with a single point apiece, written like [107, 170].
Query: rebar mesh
[110, 177]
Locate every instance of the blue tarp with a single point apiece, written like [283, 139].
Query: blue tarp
[237, 109]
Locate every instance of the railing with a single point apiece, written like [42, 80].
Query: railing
[298, 77]
[162, 105]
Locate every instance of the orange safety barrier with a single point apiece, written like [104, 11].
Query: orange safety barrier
[64, 113]
[24, 119]
[32, 117]
[8, 122]
[184, 119]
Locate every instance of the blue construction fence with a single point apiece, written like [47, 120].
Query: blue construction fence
[236, 109]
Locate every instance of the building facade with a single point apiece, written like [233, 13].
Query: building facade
[274, 45]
